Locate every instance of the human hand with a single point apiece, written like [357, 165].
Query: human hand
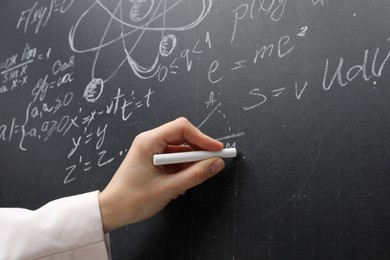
[139, 189]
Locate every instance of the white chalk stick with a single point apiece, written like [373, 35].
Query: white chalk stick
[193, 156]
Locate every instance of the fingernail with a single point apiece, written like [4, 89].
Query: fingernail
[217, 166]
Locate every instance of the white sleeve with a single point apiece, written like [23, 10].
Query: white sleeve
[67, 228]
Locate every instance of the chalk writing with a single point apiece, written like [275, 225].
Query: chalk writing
[122, 105]
[261, 97]
[155, 46]
[82, 161]
[319, 2]
[39, 109]
[147, 13]
[274, 9]
[364, 69]
[343, 76]
[39, 15]
[285, 46]
[15, 73]
[7, 130]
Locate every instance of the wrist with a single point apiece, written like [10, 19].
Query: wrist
[107, 213]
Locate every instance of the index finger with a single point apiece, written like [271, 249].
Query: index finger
[178, 132]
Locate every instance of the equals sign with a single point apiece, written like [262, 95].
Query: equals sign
[2, 65]
[139, 104]
[57, 7]
[41, 57]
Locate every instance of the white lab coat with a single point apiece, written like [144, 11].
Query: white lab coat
[67, 228]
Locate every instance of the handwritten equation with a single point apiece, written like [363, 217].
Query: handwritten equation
[39, 14]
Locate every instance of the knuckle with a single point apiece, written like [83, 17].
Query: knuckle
[139, 139]
[183, 121]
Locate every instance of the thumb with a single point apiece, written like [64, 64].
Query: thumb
[196, 174]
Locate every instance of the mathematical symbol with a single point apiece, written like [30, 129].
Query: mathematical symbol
[101, 133]
[302, 33]
[76, 144]
[88, 167]
[88, 138]
[173, 66]
[239, 65]
[278, 91]
[72, 123]
[87, 120]
[24, 80]
[147, 97]
[211, 100]
[3, 89]
[57, 7]
[139, 104]
[14, 83]
[12, 60]
[298, 95]
[24, 68]
[71, 169]
[101, 162]
[15, 129]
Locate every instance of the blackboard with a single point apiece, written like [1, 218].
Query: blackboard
[300, 88]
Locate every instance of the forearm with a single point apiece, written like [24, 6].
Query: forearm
[62, 225]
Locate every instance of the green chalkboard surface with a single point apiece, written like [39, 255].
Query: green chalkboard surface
[300, 88]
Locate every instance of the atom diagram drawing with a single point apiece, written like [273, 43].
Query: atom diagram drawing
[135, 18]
